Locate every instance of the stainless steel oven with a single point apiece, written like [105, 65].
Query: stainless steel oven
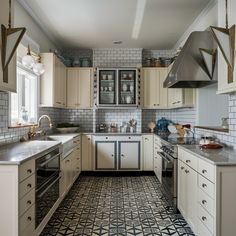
[47, 183]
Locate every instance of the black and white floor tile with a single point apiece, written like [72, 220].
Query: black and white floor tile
[110, 206]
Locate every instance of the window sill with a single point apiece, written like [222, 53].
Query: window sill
[216, 128]
[22, 126]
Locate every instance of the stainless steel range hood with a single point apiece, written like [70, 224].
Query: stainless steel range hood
[189, 69]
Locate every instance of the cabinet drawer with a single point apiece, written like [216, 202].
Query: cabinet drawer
[26, 169]
[27, 218]
[27, 201]
[206, 218]
[202, 229]
[158, 161]
[188, 158]
[27, 185]
[206, 186]
[157, 141]
[29, 230]
[207, 170]
[206, 202]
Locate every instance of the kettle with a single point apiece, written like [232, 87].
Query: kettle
[162, 125]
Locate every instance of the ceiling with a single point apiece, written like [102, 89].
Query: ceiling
[149, 24]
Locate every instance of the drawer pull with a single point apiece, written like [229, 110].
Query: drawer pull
[188, 161]
[29, 218]
[77, 168]
[186, 171]
[204, 218]
[204, 185]
[182, 168]
[29, 202]
[204, 202]
[29, 185]
[29, 171]
[204, 171]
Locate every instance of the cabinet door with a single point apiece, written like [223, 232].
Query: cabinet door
[163, 91]
[86, 152]
[105, 155]
[57, 83]
[147, 142]
[72, 88]
[129, 155]
[151, 88]
[85, 87]
[182, 188]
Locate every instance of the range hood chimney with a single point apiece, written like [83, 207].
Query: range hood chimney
[189, 69]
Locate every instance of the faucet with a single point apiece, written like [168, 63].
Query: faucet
[190, 131]
[43, 117]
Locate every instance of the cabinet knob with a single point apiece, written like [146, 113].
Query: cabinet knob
[204, 218]
[29, 171]
[29, 185]
[129, 137]
[29, 218]
[204, 185]
[88, 138]
[182, 167]
[122, 155]
[67, 161]
[187, 161]
[204, 171]
[106, 137]
[186, 171]
[112, 155]
[29, 202]
[204, 202]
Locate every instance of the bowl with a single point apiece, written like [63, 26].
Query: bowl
[68, 130]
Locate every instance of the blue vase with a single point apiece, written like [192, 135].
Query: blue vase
[162, 125]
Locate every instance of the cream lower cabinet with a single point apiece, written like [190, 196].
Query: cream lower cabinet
[86, 150]
[157, 158]
[153, 93]
[206, 195]
[147, 149]
[117, 153]
[17, 199]
[53, 82]
[79, 87]
[179, 97]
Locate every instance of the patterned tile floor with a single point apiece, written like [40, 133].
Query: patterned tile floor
[112, 206]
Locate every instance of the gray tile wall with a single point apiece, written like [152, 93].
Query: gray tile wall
[182, 116]
[119, 116]
[117, 57]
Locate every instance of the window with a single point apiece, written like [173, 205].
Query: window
[24, 103]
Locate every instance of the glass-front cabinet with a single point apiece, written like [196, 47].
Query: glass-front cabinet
[117, 87]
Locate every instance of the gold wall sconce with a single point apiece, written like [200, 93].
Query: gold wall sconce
[33, 61]
[11, 38]
[209, 58]
[225, 39]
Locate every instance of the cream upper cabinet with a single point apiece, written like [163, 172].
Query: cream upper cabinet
[181, 97]
[10, 84]
[53, 82]
[79, 87]
[154, 95]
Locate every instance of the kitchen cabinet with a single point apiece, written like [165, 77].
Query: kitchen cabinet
[117, 153]
[206, 197]
[105, 154]
[117, 87]
[87, 146]
[10, 84]
[179, 97]
[157, 165]
[17, 203]
[53, 82]
[154, 94]
[79, 87]
[147, 150]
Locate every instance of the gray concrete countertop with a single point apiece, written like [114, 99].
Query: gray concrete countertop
[17, 153]
[224, 156]
[116, 133]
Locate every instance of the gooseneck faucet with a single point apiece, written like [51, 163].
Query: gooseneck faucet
[43, 117]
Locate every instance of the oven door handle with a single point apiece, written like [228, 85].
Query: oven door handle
[164, 157]
[50, 159]
[41, 194]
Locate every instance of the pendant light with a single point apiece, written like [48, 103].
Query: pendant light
[11, 38]
[33, 61]
[225, 39]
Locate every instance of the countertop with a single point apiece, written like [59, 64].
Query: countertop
[220, 157]
[17, 153]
